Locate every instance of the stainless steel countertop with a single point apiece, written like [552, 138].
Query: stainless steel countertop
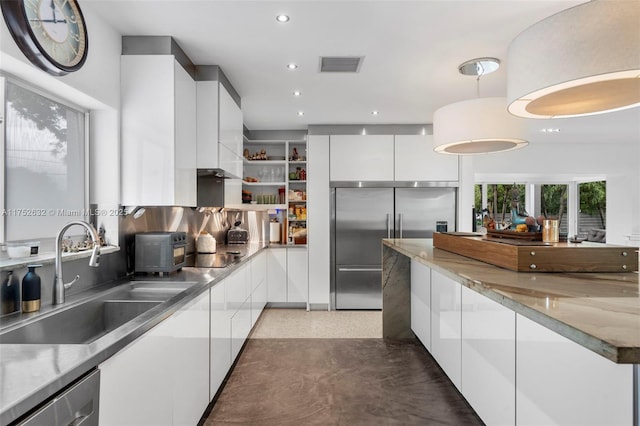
[30, 374]
[598, 310]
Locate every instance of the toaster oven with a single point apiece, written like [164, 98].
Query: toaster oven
[162, 252]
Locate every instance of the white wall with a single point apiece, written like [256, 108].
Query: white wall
[564, 162]
[96, 86]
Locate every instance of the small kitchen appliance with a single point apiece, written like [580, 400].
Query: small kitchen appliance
[161, 252]
[237, 235]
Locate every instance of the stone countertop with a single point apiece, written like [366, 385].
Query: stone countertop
[600, 311]
[30, 374]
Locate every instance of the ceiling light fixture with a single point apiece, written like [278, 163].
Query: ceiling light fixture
[375, 112]
[292, 66]
[282, 18]
[581, 61]
[477, 126]
[297, 93]
[300, 113]
[550, 130]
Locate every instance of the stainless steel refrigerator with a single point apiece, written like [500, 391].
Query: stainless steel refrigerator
[362, 217]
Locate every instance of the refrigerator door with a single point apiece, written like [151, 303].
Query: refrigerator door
[363, 217]
[419, 209]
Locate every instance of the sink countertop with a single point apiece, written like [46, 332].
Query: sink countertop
[600, 311]
[30, 374]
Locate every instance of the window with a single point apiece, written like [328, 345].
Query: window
[501, 198]
[593, 206]
[44, 164]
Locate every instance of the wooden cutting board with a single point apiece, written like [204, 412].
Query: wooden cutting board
[534, 256]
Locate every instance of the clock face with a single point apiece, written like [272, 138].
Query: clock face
[51, 33]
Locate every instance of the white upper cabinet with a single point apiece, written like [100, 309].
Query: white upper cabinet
[357, 157]
[389, 158]
[220, 128]
[158, 132]
[415, 160]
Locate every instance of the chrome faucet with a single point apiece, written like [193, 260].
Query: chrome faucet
[59, 286]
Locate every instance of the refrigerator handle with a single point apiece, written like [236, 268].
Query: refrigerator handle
[388, 225]
[400, 218]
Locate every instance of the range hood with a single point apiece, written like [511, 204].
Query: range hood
[217, 188]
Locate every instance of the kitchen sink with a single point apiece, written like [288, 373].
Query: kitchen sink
[88, 321]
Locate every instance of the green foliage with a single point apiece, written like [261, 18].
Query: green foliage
[593, 199]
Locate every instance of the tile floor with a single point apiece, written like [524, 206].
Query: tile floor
[333, 368]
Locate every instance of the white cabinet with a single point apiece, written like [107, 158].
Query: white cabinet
[297, 275]
[158, 122]
[488, 358]
[446, 325]
[158, 379]
[287, 275]
[258, 286]
[277, 275]
[219, 129]
[421, 302]
[561, 382]
[220, 346]
[361, 157]
[415, 160]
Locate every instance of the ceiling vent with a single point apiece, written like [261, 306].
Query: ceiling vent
[340, 64]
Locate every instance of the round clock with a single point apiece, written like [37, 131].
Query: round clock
[51, 33]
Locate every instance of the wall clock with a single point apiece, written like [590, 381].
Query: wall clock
[51, 33]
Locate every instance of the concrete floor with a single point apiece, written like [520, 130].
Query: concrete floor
[333, 368]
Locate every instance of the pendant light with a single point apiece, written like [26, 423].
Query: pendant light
[477, 126]
[584, 60]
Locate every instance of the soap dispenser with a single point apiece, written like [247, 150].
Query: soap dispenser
[10, 294]
[31, 290]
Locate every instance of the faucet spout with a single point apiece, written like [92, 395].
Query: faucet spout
[59, 286]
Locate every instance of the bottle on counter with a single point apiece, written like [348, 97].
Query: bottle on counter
[31, 290]
[10, 294]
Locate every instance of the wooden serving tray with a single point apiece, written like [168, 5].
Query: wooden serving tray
[531, 236]
[536, 256]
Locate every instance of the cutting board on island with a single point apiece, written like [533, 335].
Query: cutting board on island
[537, 256]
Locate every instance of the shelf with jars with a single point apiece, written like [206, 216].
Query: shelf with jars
[275, 177]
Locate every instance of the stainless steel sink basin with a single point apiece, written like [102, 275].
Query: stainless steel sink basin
[88, 321]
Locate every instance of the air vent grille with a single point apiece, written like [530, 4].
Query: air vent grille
[340, 64]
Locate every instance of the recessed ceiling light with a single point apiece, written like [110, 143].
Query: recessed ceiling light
[292, 66]
[550, 130]
[297, 93]
[300, 113]
[282, 18]
[374, 113]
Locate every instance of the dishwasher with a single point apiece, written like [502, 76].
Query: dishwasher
[78, 405]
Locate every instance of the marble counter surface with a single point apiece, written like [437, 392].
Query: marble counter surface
[600, 311]
[31, 373]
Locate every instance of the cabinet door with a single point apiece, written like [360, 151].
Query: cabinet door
[356, 157]
[297, 275]
[258, 301]
[561, 382]
[258, 270]
[220, 349]
[230, 121]
[488, 358]
[415, 159]
[421, 302]
[136, 383]
[236, 285]
[240, 327]
[190, 384]
[207, 124]
[185, 138]
[230, 161]
[277, 275]
[446, 325]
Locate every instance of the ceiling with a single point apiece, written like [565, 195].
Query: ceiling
[411, 50]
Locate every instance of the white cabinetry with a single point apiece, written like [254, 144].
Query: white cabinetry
[287, 275]
[421, 302]
[258, 286]
[220, 348]
[415, 160]
[446, 321]
[158, 132]
[358, 157]
[561, 382]
[219, 129]
[158, 379]
[488, 358]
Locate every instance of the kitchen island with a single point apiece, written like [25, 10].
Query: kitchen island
[563, 348]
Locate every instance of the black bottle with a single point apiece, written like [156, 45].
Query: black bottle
[10, 294]
[31, 290]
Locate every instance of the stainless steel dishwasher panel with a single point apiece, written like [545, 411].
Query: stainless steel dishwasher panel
[76, 406]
